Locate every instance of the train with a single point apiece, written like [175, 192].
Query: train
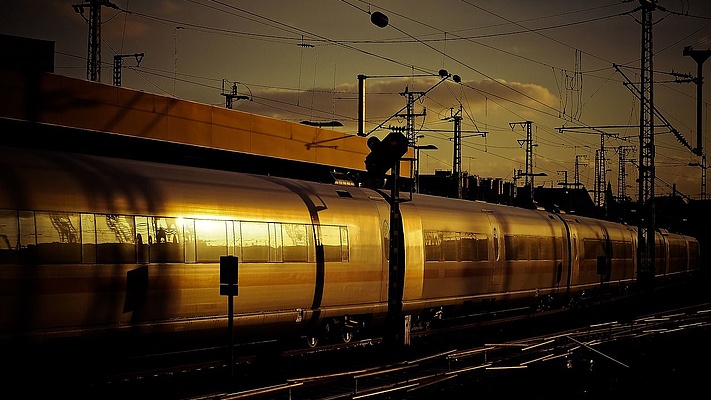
[93, 246]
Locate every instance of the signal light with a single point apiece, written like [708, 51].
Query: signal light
[384, 155]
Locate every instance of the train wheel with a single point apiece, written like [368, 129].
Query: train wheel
[311, 341]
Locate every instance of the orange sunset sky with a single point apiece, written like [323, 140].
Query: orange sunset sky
[550, 62]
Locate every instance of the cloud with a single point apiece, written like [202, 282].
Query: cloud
[386, 100]
[517, 93]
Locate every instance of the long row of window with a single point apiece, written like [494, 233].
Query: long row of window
[64, 237]
[456, 246]
[614, 249]
[524, 247]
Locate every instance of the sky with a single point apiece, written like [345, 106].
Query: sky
[570, 67]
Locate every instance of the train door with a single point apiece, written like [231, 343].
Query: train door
[604, 261]
[570, 255]
[574, 256]
[495, 260]
[414, 248]
[662, 252]
[383, 256]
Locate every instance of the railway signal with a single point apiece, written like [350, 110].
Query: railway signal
[384, 155]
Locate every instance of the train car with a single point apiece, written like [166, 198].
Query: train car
[94, 247]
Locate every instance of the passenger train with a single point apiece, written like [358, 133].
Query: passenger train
[94, 246]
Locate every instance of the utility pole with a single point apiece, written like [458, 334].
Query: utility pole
[622, 174]
[703, 174]
[578, 163]
[599, 174]
[529, 151]
[118, 61]
[410, 114]
[93, 61]
[646, 203]
[232, 95]
[565, 178]
[601, 171]
[457, 162]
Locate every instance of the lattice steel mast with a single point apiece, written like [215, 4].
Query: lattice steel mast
[93, 61]
[647, 223]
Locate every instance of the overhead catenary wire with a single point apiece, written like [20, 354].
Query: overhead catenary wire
[490, 97]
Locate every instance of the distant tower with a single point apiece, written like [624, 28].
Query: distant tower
[93, 61]
[231, 96]
[118, 62]
[622, 174]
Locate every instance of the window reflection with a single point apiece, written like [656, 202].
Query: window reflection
[57, 237]
[211, 240]
[166, 240]
[455, 246]
[115, 239]
[296, 242]
[331, 240]
[9, 237]
[450, 246]
[255, 241]
[65, 237]
[433, 246]
[88, 238]
[142, 247]
[28, 238]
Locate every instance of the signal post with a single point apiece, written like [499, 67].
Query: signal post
[385, 155]
[229, 286]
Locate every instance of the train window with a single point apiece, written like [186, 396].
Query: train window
[547, 248]
[523, 244]
[88, 239]
[311, 235]
[482, 243]
[275, 242]
[211, 239]
[522, 247]
[238, 239]
[142, 248]
[115, 239]
[510, 247]
[345, 250]
[534, 248]
[28, 236]
[450, 246]
[231, 250]
[677, 251]
[166, 240]
[331, 240]
[592, 248]
[694, 252]
[433, 246]
[455, 246]
[9, 237]
[468, 246]
[296, 242]
[188, 226]
[558, 249]
[618, 249]
[57, 237]
[255, 241]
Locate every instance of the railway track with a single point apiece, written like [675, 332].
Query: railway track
[423, 376]
[438, 360]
